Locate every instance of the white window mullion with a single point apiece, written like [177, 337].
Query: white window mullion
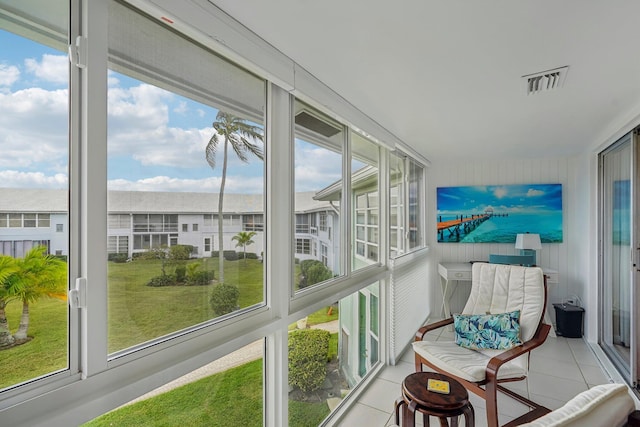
[279, 267]
[92, 195]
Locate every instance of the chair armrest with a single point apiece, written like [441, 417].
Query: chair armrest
[502, 358]
[432, 326]
[634, 419]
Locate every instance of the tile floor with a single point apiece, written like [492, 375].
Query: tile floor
[560, 369]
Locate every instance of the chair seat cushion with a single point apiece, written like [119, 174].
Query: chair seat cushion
[468, 364]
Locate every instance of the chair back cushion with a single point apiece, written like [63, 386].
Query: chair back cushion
[497, 288]
[603, 405]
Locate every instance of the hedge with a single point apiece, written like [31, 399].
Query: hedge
[308, 352]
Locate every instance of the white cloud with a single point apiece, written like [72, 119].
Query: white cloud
[139, 127]
[535, 193]
[33, 127]
[234, 184]
[500, 192]
[315, 167]
[181, 108]
[9, 74]
[18, 179]
[52, 68]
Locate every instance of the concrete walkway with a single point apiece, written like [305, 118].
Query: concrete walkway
[239, 357]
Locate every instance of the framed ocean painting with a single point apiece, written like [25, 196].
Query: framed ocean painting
[496, 213]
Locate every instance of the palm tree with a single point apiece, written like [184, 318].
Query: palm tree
[40, 275]
[242, 136]
[244, 238]
[7, 293]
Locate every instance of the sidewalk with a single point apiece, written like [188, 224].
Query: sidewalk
[239, 357]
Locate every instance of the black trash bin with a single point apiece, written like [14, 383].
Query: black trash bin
[569, 320]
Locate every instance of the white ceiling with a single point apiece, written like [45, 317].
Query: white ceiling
[445, 76]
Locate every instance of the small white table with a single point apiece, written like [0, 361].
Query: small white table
[453, 272]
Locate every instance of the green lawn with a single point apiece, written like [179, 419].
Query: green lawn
[233, 397]
[138, 313]
[46, 352]
[230, 398]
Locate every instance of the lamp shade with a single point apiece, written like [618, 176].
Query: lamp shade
[528, 241]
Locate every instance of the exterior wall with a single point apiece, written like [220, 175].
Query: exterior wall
[59, 239]
[18, 240]
[348, 324]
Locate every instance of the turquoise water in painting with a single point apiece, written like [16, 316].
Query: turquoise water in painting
[503, 229]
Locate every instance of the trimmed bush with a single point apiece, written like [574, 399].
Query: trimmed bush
[214, 254]
[167, 280]
[180, 252]
[224, 298]
[231, 255]
[181, 274]
[120, 257]
[200, 278]
[308, 352]
[251, 255]
[313, 271]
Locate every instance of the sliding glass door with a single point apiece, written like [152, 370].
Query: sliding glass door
[618, 184]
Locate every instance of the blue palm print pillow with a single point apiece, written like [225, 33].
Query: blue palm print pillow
[487, 331]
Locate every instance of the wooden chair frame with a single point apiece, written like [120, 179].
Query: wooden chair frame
[489, 387]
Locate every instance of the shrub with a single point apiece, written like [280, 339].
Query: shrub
[181, 274]
[231, 255]
[214, 254]
[251, 255]
[180, 252]
[224, 298]
[200, 278]
[313, 271]
[308, 352]
[166, 280]
[119, 257]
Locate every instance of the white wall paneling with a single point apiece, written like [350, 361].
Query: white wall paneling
[410, 302]
[453, 172]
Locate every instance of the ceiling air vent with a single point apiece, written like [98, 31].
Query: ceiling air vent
[311, 122]
[545, 80]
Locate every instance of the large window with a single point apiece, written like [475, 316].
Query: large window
[34, 184]
[156, 198]
[365, 204]
[406, 199]
[207, 396]
[331, 352]
[185, 142]
[319, 143]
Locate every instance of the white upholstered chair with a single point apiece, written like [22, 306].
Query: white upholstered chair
[606, 405]
[495, 289]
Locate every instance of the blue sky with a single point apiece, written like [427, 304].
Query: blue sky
[156, 139]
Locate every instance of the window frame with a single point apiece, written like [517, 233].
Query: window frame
[91, 368]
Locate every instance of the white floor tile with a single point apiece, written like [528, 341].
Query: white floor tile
[554, 387]
[555, 348]
[381, 394]
[363, 415]
[593, 374]
[397, 373]
[584, 356]
[560, 369]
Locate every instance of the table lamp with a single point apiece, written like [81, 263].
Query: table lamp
[528, 243]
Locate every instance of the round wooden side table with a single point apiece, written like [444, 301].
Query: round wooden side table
[417, 398]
